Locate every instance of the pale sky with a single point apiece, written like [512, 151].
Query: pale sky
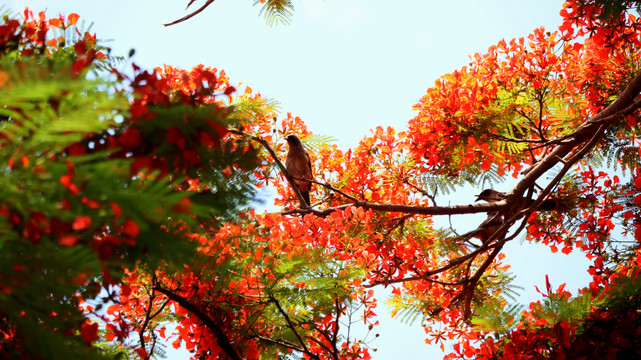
[344, 67]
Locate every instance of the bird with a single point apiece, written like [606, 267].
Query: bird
[495, 220]
[491, 195]
[299, 166]
[487, 228]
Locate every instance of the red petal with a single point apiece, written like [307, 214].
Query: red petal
[68, 240]
[82, 222]
[73, 18]
[131, 228]
[89, 332]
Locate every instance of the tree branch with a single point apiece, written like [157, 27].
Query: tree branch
[330, 187]
[283, 343]
[407, 209]
[291, 326]
[624, 102]
[221, 339]
[189, 16]
[475, 279]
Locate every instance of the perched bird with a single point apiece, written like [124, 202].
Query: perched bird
[495, 220]
[491, 195]
[299, 166]
[487, 228]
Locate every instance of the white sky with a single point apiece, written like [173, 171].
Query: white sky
[344, 67]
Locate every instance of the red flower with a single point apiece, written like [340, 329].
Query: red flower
[73, 18]
[131, 228]
[89, 332]
[68, 240]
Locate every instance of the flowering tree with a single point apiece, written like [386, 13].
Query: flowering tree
[102, 173]
[143, 179]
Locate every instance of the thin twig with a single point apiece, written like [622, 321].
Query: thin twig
[189, 16]
[280, 342]
[293, 328]
[330, 187]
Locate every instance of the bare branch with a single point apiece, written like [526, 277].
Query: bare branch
[189, 16]
[407, 209]
[221, 339]
[283, 343]
[330, 187]
[477, 276]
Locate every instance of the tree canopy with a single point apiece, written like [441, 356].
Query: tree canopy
[126, 221]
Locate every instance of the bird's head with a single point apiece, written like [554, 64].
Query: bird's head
[490, 195]
[293, 140]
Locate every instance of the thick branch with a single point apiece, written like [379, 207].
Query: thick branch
[585, 131]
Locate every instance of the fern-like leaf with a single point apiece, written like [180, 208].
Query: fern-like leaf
[276, 11]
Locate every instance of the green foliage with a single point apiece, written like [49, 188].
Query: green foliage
[39, 275]
[316, 141]
[625, 293]
[439, 185]
[407, 309]
[28, 271]
[496, 317]
[556, 308]
[619, 155]
[248, 109]
[276, 11]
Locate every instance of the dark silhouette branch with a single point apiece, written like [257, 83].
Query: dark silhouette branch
[148, 317]
[189, 16]
[283, 343]
[624, 102]
[407, 209]
[331, 188]
[221, 339]
[471, 287]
